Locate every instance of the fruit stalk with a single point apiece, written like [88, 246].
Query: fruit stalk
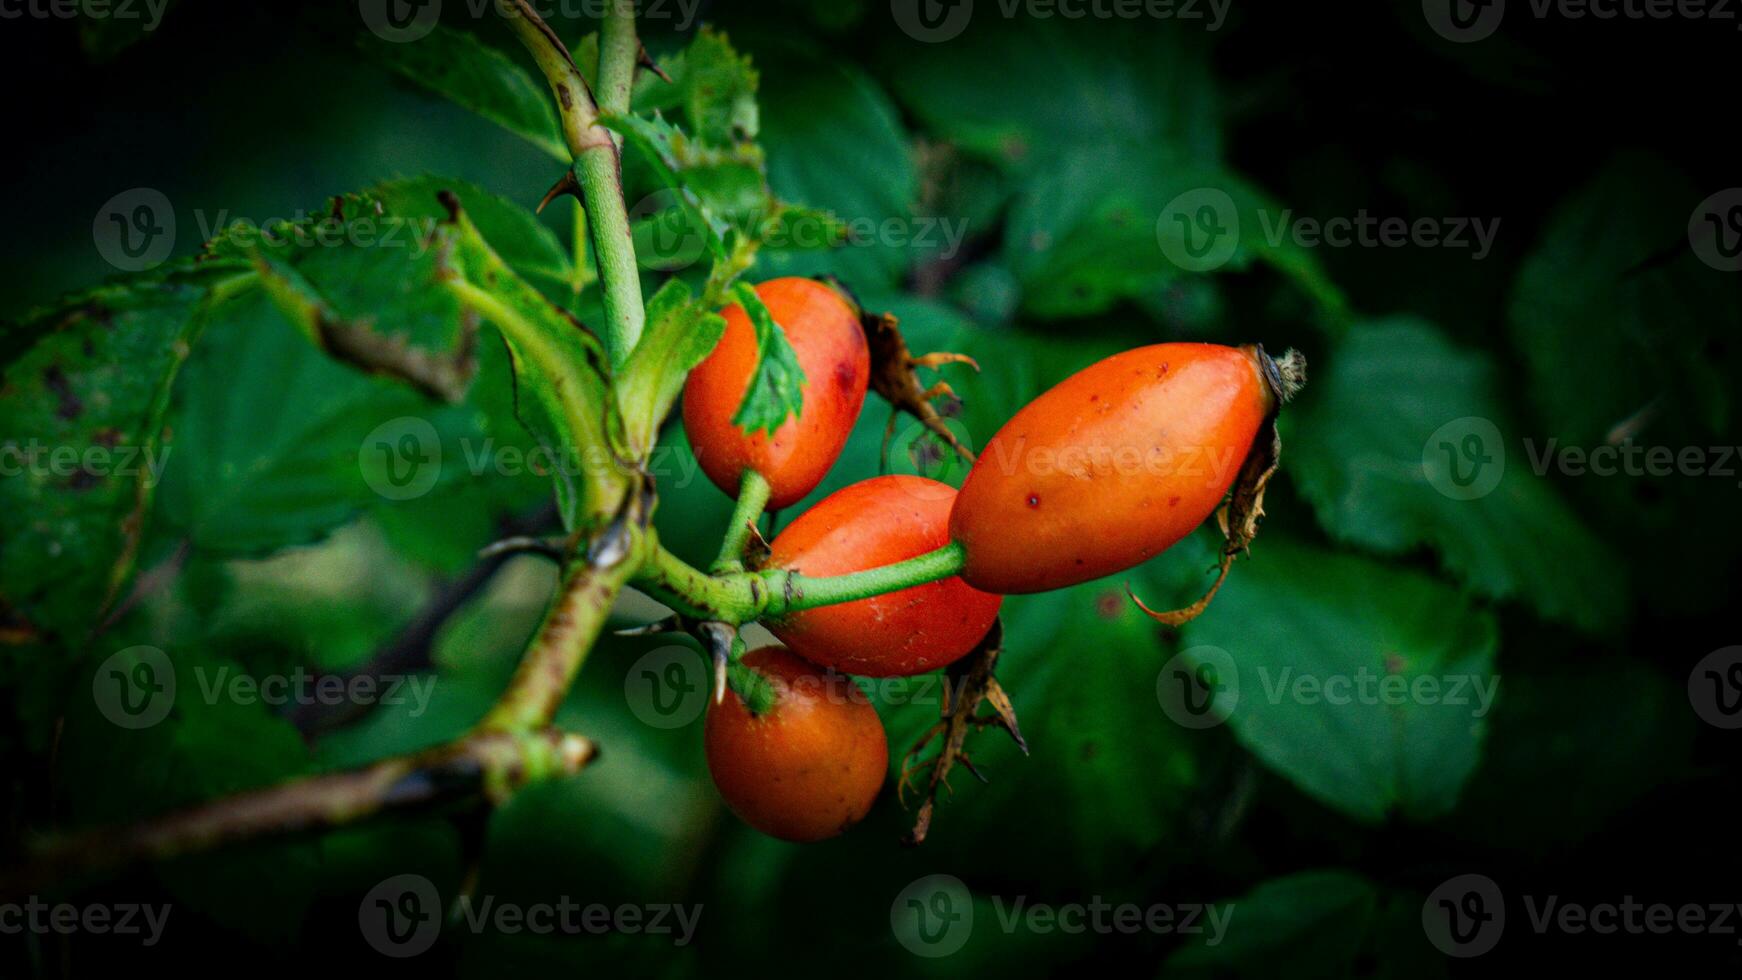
[742, 597]
[752, 498]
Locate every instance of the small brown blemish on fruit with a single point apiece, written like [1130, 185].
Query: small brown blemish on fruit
[1173, 501]
[1034, 500]
[1107, 605]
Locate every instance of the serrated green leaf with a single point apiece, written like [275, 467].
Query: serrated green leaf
[1304, 629]
[81, 419]
[680, 334]
[456, 65]
[719, 89]
[776, 389]
[1368, 476]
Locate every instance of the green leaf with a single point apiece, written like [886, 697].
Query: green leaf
[456, 65]
[1310, 924]
[776, 389]
[1016, 90]
[1101, 224]
[1079, 666]
[1303, 630]
[1628, 338]
[82, 415]
[718, 87]
[1330, 924]
[1615, 316]
[680, 334]
[1381, 479]
[835, 140]
[712, 85]
[278, 445]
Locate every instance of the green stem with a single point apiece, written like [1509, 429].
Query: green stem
[753, 495]
[614, 250]
[597, 166]
[618, 53]
[741, 597]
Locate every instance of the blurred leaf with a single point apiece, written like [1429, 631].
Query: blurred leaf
[1585, 739]
[82, 411]
[1312, 924]
[1628, 342]
[1380, 479]
[1334, 657]
[213, 741]
[835, 141]
[1079, 666]
[107, 28]
[1615, 315]
[776, 390]
[1099, 224]
[456, 65]
[1016, 90]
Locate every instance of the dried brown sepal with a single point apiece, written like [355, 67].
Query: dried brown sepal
[894, 374]
[969, 683]
[1241, 514]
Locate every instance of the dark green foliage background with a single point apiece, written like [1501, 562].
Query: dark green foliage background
[1058, 143]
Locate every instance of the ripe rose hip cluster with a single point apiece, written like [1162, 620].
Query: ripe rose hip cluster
[812, 763]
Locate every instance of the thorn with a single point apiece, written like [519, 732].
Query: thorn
[719, 676]
[553, 548]
[564, 185]
[670, 624]
[646, 61]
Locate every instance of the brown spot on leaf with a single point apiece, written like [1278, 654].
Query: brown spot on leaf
[70, 407]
